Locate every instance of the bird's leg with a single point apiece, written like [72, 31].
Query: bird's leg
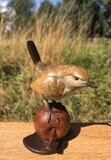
[49, 109]
[51, 139]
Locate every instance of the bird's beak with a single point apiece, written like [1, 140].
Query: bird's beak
[90, 84]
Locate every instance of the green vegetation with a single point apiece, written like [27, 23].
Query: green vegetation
[58, 42]
[88, 104]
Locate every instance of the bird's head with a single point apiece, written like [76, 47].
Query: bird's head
[77, 78]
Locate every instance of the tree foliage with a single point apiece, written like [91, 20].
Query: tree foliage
[24, 11]
[92, 17]
[46, 7]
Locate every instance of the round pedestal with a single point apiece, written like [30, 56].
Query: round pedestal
[35, 144]
[51, 127]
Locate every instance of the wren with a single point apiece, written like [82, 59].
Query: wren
[55, 82]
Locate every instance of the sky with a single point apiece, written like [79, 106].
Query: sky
[38, 2]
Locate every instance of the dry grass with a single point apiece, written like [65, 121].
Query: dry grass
[56, 46]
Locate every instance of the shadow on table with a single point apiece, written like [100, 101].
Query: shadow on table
[73, 132]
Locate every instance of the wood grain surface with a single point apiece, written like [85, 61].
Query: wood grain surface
[90, 142]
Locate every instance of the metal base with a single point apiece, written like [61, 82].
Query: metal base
[35, 144]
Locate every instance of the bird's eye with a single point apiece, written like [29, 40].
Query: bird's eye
[76, 78]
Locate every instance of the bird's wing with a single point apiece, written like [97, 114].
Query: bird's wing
[57, 71]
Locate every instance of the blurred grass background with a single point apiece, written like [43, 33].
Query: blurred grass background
[56, 45]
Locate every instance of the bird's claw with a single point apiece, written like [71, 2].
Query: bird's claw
[49, 110]
[52, 113]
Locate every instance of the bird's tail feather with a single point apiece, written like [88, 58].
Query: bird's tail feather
[33, 52]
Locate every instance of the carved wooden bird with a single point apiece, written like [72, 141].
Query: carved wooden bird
[55, 82]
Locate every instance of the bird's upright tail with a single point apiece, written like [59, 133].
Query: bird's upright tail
[33, 52]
